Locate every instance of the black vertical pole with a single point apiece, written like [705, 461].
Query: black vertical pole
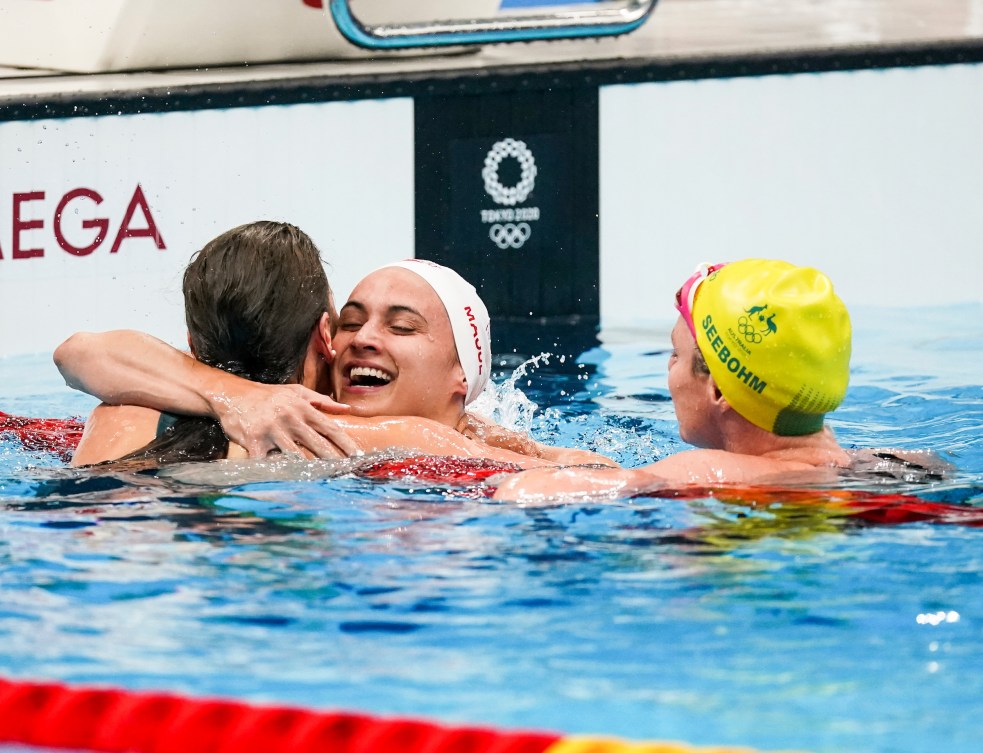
[507, 194]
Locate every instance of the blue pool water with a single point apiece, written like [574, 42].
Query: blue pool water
[784, 626]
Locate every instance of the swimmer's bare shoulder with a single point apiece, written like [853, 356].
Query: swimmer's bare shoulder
[112, 431]
[415, 434]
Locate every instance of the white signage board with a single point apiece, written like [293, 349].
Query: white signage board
[875, 177]
[100, 215]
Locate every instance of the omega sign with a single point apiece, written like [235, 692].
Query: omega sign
[34, 213]
[510, 225]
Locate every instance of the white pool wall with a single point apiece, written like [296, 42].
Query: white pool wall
[875, 177]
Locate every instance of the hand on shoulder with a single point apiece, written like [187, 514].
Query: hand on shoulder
[291, 418]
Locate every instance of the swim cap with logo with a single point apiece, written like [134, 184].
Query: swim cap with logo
[469, 318]
[777, 341]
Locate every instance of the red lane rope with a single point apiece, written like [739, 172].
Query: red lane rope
[871, 507]
[439, 469]
[56, 435]
[52, 715]
[61, 437]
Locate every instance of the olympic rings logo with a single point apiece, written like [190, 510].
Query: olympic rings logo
[747, 329]
[509, 196]
[509, 235]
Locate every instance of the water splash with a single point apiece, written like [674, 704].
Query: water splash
[506, 404]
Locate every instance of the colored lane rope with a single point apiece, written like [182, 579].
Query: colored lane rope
[55, 716]
[61, 437]
[55, 435]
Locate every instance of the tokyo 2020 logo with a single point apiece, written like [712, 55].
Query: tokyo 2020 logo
[510, 224]
[509, 195]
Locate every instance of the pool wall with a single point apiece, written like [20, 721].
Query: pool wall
[874, 176]
[569, 193]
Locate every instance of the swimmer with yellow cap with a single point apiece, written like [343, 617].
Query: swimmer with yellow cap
[774, 337]
[761, 353]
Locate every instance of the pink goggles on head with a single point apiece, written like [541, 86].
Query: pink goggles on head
[687, 293]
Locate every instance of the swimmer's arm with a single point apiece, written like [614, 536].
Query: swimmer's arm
[129, 367]
[498, 436]
[425, 436]
[687, 468]
[126, 367]
[711, 467]
[699, 467]
[576, 483]
[573, 456]
[691, 467]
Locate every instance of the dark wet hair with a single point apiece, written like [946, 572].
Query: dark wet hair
[252, 297]
[700, 367]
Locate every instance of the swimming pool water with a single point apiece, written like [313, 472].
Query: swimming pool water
[715, 622]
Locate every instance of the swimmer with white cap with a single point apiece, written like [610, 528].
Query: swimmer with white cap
[414, 339]
[761, 353]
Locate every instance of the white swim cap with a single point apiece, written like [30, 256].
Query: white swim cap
[469, 320]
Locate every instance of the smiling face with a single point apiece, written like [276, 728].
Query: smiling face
[395, 350]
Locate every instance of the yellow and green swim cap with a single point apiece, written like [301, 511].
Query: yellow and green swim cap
[777, 341]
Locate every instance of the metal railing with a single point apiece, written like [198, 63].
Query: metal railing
[609, 20]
